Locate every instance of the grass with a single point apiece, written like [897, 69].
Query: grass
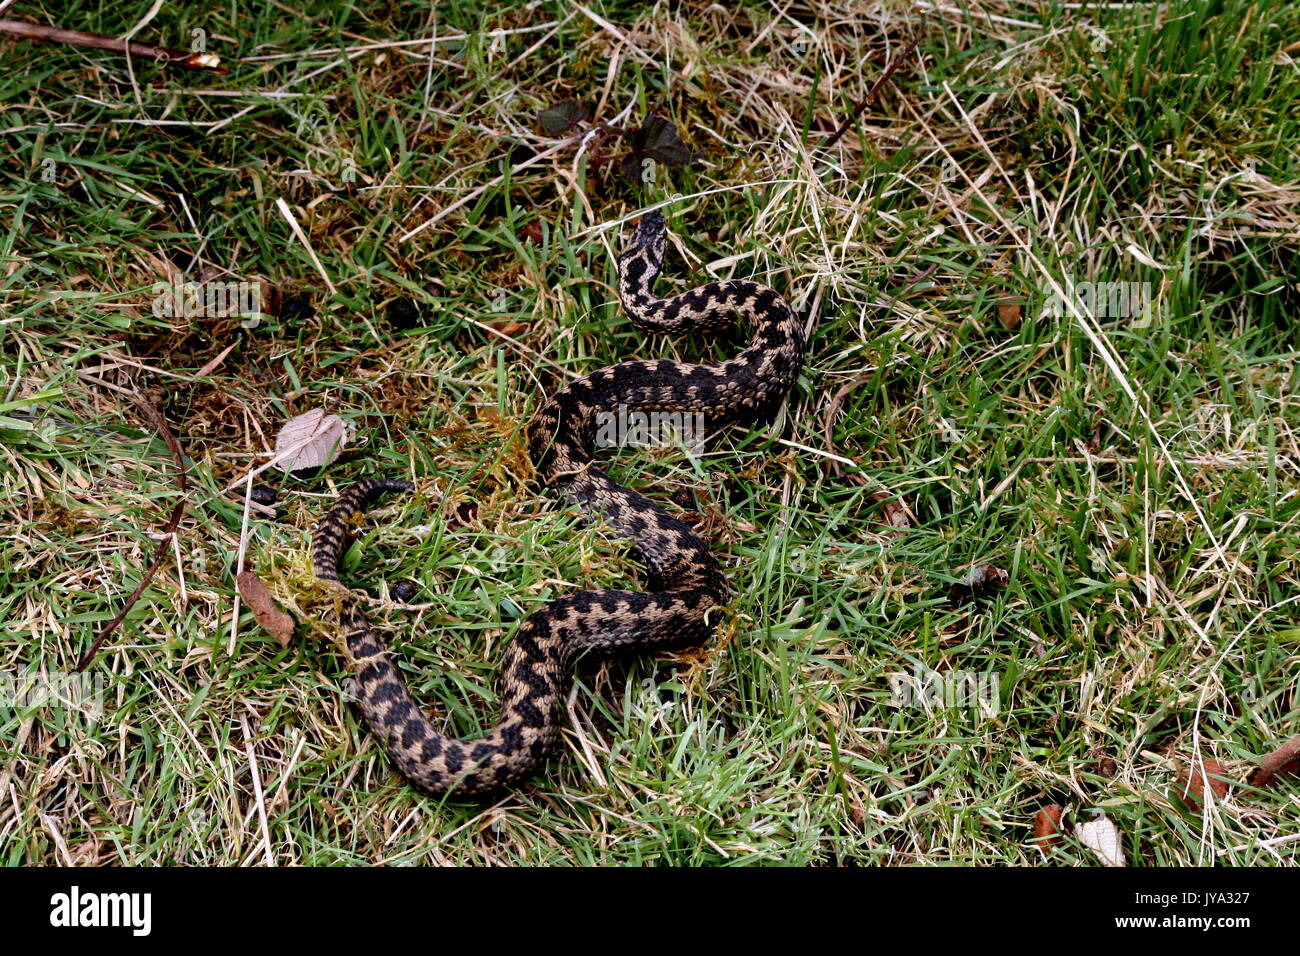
[1136, 476]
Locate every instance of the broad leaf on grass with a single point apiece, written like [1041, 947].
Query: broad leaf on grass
[563, 117]
[310, 440]
[656, 140]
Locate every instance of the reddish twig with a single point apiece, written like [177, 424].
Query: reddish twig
[861, 108]
[169, 529]
[36, 31]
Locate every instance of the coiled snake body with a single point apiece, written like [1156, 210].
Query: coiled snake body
[683, 577]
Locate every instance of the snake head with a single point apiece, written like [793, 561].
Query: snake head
[651, 228]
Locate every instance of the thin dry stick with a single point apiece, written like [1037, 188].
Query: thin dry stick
[258, 796]
[169, 529]
[474, 194]
[37, 31]
[861, 108]
[301, 236]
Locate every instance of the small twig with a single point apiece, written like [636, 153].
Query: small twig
[301, 236]
[37, 31]
[475, 193]
[258, 796]
[169, 529]
[861, 108]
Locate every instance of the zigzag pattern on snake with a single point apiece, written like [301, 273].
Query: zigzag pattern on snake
[683, 578]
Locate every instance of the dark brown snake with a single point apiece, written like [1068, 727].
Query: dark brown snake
[683, 578]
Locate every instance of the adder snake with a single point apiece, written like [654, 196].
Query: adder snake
[683, 578]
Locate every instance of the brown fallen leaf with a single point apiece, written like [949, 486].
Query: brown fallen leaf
[1010, 314]
[1282, 762]
[268, 614]
[1103, 764]
[1191, 784]
[1094, 443]
[891, 510]
[1047, 826]
[509, 326]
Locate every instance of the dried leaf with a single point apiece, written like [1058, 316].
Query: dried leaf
[1047, 826]
[891, 510]
[1282, 762]
[1191, 785]
[1010, 314]
[977, 582]
[563, 117]
[657, 138]
[268, 614]
[286, 305]
[1101, 763]
[633, 166]
[655, 141]
[310, 440]
[509, 326]
[1103, 838]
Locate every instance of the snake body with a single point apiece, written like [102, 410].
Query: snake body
[683, 578]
